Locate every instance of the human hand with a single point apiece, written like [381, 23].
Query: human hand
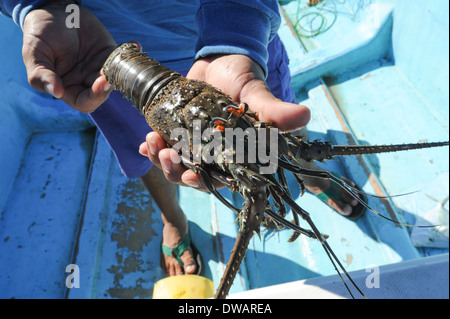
[242, 79]
[66, 62]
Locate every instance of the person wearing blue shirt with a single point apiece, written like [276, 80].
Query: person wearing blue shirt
[231, 44]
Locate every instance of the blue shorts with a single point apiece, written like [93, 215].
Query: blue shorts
[125, 129]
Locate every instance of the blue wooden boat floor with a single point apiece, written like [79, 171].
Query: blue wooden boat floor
[374, 77]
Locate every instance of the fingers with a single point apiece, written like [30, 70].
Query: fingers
[85, 99]
[171, 166]
[166, 159]
[44, 79]
[286, 116]
[151, 148]
[169, 162]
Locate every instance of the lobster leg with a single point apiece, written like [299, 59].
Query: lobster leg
[292, 226]
[254, 192]
[279, 204]
[283, 182]
[249, 221]
[207, 182]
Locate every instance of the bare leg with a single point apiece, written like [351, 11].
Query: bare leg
[175, 222]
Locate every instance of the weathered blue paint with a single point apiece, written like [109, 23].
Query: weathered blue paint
[380, 78]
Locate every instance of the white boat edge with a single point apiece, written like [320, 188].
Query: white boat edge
[422, 278]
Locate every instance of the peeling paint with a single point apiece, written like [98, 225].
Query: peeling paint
[348, 260]
[127, 293]
[132, 227]
[132, 232]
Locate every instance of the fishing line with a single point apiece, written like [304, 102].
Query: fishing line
[315, 18]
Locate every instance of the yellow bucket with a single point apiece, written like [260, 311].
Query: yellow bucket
[183, 287]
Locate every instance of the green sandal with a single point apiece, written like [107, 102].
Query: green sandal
[177, 251]
[334, 192]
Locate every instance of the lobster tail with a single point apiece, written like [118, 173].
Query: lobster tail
[138, 77]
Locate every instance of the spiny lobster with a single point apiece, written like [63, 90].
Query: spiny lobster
[169, 102]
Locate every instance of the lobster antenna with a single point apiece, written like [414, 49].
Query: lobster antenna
[379, 196]
[331, 255]
[348, 189]
[324, 174]
[340, 150]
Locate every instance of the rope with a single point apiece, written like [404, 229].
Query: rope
[313, 18]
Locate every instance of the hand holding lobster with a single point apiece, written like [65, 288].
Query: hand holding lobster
[243, 80]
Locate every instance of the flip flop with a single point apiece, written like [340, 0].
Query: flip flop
[333, 193]
[177, 251]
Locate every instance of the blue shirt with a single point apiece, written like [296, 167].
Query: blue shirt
[175, 31]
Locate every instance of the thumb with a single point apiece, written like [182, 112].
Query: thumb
[44, 79]
[285, 116]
